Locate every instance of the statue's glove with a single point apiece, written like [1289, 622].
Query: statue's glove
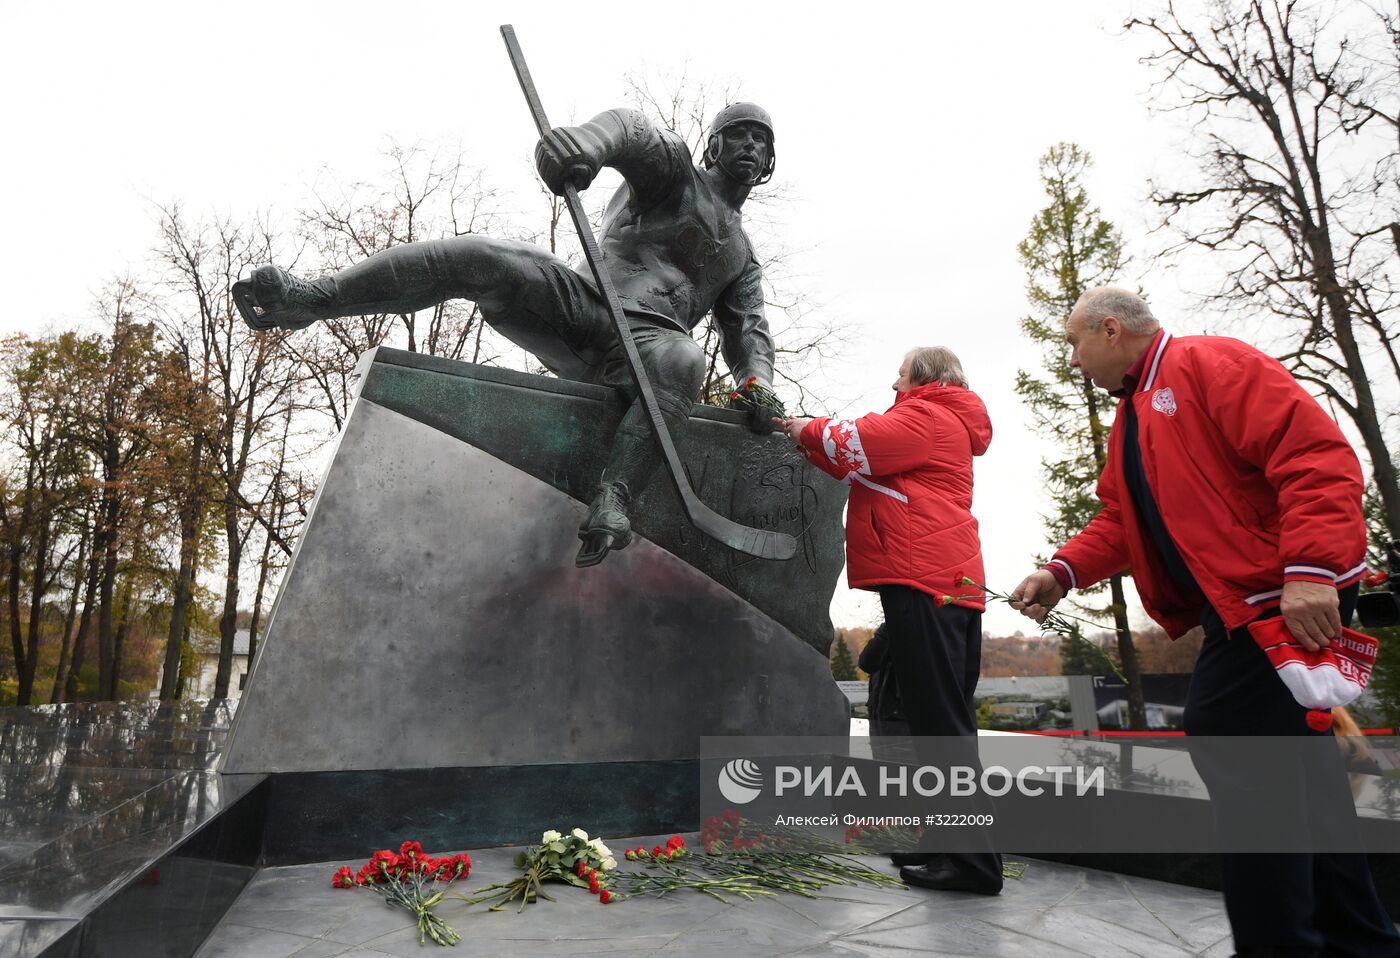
[568, 154]
[761, 404]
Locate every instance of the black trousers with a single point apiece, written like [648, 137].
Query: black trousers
[1283, 903]
[937, 654]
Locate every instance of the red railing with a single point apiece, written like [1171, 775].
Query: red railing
[1165, 733]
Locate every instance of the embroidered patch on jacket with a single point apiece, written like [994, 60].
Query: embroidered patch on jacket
[841, 440]
[1164, 401]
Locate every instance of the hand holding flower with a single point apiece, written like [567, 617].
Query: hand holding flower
[1037, 594]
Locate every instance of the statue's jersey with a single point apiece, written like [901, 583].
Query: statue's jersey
[674, 248]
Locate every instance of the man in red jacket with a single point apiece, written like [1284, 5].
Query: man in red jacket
[910, 536]
[1232, 496]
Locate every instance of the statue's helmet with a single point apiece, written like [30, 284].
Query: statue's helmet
[740, 113]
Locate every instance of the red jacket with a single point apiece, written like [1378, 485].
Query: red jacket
[1255, 483]
[909, 519]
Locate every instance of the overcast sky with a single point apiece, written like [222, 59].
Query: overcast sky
[908, 134]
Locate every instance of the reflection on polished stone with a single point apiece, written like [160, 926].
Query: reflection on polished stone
[53, 938]
[91, 795]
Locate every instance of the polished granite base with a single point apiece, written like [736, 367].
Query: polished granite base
[1053, 910]
[116, 835]
[312, 815]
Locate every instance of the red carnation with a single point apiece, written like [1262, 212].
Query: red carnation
[656, 852]
[675, 841]
[383, 862]
[1375, 579]
[593, 885]
[750, 381]
[411, 850]
[344, 878]
[605, 896]
[582, 867]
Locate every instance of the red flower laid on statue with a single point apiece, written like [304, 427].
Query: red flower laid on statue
[754, 394]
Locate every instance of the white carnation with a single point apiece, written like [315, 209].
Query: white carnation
[580, 834]
[550, 836]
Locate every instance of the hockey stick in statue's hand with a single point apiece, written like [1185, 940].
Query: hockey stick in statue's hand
[763, 543]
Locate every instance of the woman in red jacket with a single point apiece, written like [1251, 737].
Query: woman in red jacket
[911, 537]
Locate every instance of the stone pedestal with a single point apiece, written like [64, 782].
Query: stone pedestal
[432, 618]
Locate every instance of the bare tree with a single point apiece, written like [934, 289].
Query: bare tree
[804, 334]
[426, 195]
[77, 578]
[252, 379]
[1296, 109]
[288, 492]
[192, 371]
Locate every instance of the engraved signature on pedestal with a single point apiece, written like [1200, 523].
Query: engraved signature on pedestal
[794, 502]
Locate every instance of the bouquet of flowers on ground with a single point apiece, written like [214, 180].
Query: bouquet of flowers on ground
[868, 837]
[408, 880]
[741, 858]
[573, 858]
